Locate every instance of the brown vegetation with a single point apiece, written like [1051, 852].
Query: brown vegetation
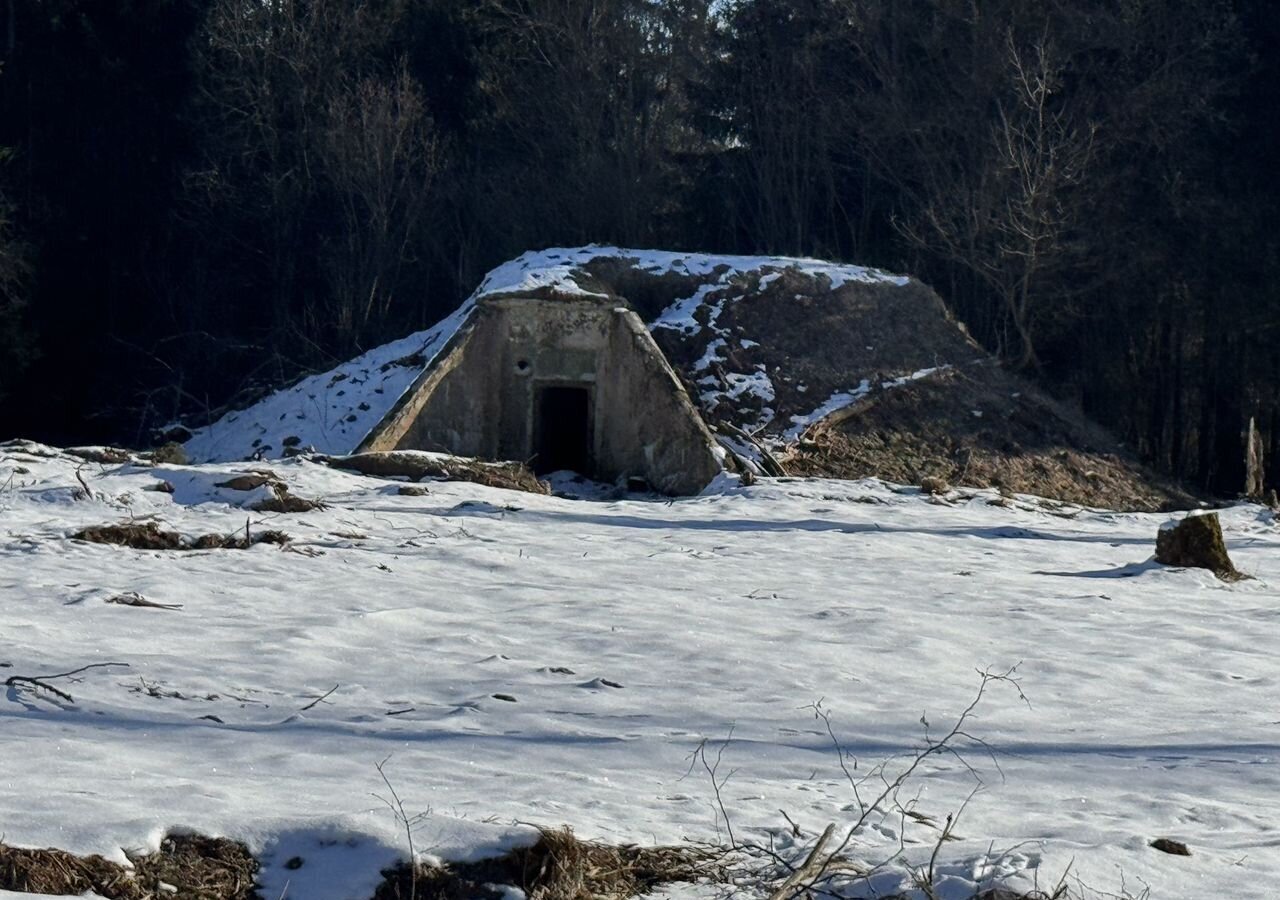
[558, 867]
[200, 868]
[103, 455]
[150, 536]
[417, 465]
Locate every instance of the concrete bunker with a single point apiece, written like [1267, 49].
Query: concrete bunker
[561, 383]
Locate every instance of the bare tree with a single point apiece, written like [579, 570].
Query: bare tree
[319, 149]
[380, 156]
[1011, 219]
[586, 114]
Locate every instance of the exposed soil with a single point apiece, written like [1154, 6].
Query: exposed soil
[813, 341]
[981, 427]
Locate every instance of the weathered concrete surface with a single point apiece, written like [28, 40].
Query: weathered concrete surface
[481, 396]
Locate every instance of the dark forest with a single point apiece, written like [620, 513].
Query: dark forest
[203, 198]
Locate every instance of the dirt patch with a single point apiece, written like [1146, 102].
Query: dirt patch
[150, 536]
[417, 465]
[648, 293]
[812, 341]
[199, 868]
[980, 427]
[558, 867]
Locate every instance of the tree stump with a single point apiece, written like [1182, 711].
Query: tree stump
[1196, 542]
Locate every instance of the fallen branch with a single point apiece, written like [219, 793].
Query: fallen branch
[768, 461]
[132, 598]
[88, 494]
[39, 682]
[812, 867]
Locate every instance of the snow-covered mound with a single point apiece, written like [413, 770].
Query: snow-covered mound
[840, 370]
[333, 411]
[516, 657]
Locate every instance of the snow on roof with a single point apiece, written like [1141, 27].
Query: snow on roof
[334, 410]
[331, 411]
[560, 268]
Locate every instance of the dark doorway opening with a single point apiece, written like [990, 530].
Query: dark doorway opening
[562, 430]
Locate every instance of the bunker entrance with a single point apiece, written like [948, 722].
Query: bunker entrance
[562, 430]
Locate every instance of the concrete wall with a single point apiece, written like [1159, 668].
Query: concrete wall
[479, 398]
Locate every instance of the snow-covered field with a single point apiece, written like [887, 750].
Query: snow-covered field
[623, 633]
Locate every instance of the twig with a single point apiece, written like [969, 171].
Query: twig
[795, 829]
[88, 494]
[321, 699]
[700, 755]
[39, 681]
[397, 810]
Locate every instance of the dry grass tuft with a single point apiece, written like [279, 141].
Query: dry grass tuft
[150, 536]
[558, 867]
[284, 502]
[170, 453]
[102, 455]
[199, 868]
[140, 536]
[58, 872]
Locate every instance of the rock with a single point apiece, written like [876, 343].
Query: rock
[933, 486]
[412, 490]
[1196, 542]
[1175, 848]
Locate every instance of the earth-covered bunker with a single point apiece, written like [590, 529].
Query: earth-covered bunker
[564, 383]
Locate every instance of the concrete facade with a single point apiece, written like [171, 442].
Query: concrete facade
[557, 383]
